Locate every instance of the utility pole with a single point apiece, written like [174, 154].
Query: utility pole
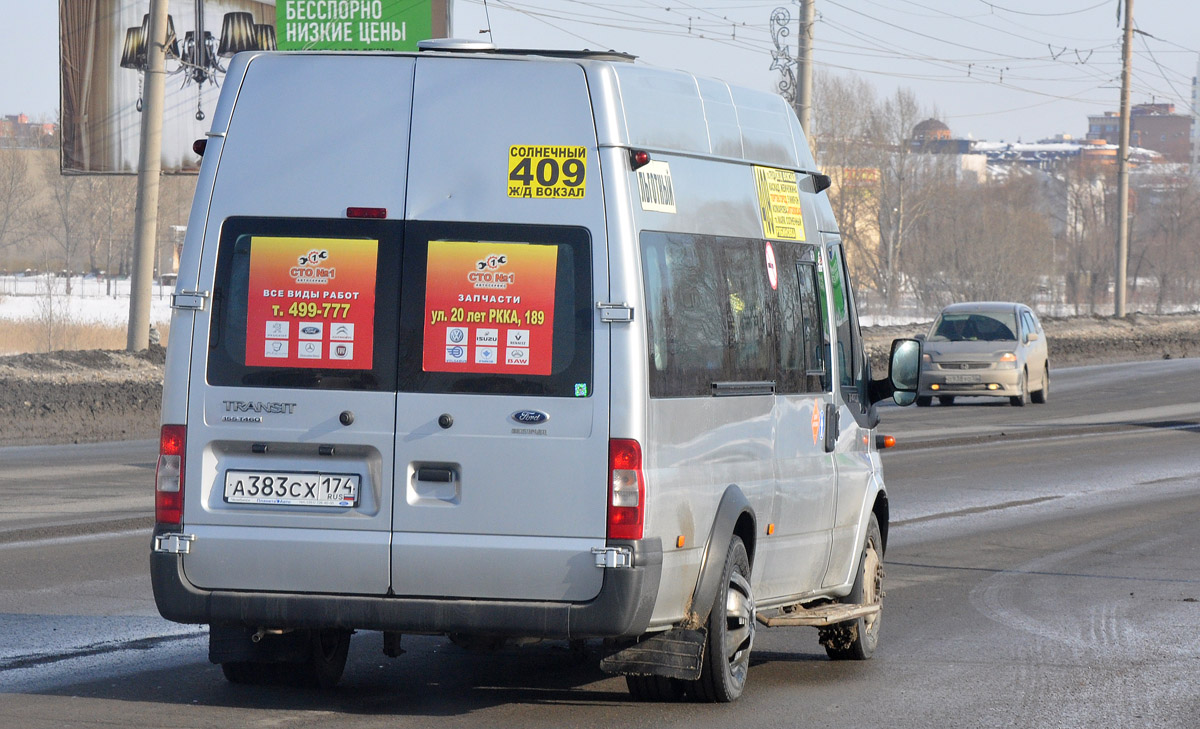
[145, 226]
[804, 56]
[1123, 171]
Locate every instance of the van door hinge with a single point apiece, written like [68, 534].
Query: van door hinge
[174, 543]
[193, 300]
[612, 312]
[613, 557]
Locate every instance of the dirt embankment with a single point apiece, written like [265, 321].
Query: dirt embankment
[96, 395]
[80, 396]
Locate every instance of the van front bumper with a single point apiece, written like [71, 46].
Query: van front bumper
[622, 609]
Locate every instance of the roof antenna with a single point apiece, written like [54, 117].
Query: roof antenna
[487, 16]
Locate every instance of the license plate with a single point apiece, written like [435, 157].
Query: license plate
[961, 379]
[291, 489]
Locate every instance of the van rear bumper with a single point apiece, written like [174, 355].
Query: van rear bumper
[622, 609]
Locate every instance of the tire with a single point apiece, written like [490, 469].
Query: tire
[327, 661]
[945, 399]
[857, 639]
[1041, 396]
[655, 688]
[924, 401]
[323, 652]
[730, 633]
[1020, 401]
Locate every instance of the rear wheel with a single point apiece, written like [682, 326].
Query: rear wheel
[655, 688]
[730, 633]
[321, 662]
[327, 661]
[1041, 396]
[855, 640]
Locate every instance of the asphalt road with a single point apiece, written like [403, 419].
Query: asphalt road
[1041, 572]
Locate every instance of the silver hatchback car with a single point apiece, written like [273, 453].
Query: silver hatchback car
[985, 348]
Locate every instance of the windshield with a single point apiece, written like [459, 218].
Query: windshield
[972, 327]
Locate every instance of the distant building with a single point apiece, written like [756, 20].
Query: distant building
[16, 131]
[1151, 126]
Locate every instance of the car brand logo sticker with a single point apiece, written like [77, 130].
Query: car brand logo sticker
[529, 417]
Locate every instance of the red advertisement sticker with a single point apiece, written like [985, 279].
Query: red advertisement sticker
[489, 307]
[311, 303]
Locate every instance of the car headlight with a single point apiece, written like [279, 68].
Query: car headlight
[1008, 359]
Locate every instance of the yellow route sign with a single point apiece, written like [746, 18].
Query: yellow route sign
[544, 171]
[779, 203]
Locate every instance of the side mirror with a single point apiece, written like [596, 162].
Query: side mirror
[904, 370]
[919, 337]
[1033, 337]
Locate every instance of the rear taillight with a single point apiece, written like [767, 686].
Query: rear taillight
[626, 490]
[168, 477]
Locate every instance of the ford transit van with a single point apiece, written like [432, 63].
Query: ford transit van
[508, 345]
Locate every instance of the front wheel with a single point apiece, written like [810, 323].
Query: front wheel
[855, 640]
[1022, 399]
[1041, 396]
[924, 401]
[730, 633]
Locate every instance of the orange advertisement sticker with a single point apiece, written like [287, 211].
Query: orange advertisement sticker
[311, 303]
[489, 307]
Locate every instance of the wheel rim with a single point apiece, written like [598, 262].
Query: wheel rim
[872, 592]
[739, 626]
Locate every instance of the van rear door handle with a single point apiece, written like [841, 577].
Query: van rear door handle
[440, 475]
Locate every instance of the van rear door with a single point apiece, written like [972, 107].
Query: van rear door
[501, 479]
[291, 398]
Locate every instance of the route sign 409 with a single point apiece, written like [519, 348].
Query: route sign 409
[547, 171]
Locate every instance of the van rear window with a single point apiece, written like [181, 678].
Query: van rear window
[305, 303]
[497, 309]
[410, 306]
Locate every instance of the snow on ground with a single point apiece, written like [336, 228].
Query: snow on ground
[92, 300]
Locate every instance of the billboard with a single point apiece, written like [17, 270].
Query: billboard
[102, 63]
[354, 25]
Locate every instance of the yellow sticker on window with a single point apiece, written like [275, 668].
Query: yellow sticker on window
[779, 203]
[547, 171]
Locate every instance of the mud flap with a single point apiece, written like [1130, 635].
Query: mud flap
[677, 653]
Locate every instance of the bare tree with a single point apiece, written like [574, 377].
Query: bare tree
[17, 193]
[1089, 233]
[109, 221]
[842, 114]
[1169, 221]
[980, 243]
[901, 204]
[63, 219]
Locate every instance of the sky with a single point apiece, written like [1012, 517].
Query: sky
[1000, 70]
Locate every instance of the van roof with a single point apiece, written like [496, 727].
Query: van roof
[458, 45]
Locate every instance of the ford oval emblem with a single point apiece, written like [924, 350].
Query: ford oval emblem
[530, 417]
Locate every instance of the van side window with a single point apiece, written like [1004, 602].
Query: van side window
[305, 303]
[496, 309]
[852, 374]
[712, 315]
[802, 341]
